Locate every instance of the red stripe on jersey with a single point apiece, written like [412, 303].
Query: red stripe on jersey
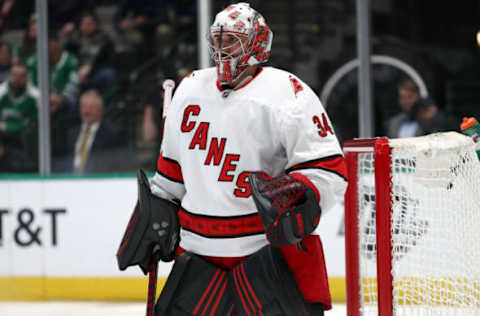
[221, 227]
[170, 169]
[335, 164]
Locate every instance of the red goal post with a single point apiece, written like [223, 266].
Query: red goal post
[412, 226]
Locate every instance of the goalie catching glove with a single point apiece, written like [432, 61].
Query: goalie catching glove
[153, 231]
[288, 207]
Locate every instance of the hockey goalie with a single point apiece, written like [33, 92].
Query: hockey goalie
[249, 162]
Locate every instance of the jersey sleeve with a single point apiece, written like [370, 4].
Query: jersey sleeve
[311, 146]
[167, 182]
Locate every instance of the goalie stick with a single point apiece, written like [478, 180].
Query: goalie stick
[168, 86]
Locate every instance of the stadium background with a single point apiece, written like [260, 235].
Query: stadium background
[59, 231]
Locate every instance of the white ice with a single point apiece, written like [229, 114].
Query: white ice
[92, 308]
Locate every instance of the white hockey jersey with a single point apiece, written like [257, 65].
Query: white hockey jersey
[274, 123]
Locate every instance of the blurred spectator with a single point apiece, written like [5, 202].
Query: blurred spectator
[5, 8]
[148, 142]
[96, 51]
[5, 61]
[148, 17]
[64, 15]
[90, 145]
[6, 160]
[18, 101]
[185, 25]
[151, 126]
[18, 116]
[430, 118]
[151, 116]
[404, 124]
[12, 159]
[64, 91]
[419, 116]
[64, 86]
[182, 73]
[27, 49]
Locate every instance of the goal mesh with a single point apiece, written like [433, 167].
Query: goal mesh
[435, 226]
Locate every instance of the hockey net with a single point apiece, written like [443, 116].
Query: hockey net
[412, 225]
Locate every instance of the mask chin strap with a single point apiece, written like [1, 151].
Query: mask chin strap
[243, 81]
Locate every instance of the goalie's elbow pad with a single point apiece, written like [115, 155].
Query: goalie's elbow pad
[153, 231]
[288, 207]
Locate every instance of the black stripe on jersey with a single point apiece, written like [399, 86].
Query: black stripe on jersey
[169, 178]
[170, 160]
[313, 161]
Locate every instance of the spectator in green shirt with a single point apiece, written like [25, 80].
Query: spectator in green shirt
[64, 83]
[18, 102]
[25, 50]
[64, 91]
[18, 117]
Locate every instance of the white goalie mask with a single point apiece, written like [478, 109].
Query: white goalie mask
[239, 38]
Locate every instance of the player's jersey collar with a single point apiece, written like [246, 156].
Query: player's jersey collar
[260, 69]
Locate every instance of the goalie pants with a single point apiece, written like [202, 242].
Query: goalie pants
[308, 268]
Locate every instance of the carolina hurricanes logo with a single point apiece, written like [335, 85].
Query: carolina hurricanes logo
[297, 87]
[234, 15]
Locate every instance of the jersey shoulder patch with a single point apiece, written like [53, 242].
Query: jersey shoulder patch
[296, 85]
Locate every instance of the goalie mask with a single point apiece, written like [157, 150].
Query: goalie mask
[239, 38]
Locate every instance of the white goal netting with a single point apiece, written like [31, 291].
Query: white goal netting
[435, 226]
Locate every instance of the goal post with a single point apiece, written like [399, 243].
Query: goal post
[412, 226]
